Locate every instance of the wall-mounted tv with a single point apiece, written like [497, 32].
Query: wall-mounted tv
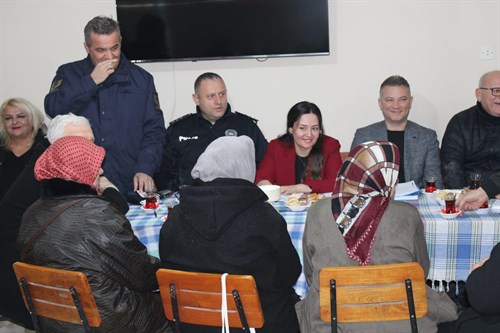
[180, 30]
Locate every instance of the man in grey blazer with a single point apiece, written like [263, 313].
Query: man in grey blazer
[418, 145]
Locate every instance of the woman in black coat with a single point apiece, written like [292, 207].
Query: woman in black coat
[224, 225]
[91, 236]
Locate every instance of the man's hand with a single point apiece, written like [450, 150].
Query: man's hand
[103, 69]
[143, 183]
[472, 199]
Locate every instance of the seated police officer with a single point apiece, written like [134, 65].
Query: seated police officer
[188, 136]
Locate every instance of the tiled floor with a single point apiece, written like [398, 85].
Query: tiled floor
[8, 327]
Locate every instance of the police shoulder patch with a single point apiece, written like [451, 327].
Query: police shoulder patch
[56, 84]
[247, 116]
[181, 118]
[156, 101]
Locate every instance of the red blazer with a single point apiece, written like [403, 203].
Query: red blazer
[278, 165]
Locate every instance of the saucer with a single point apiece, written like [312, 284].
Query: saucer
[448, 216]
[428, 194]
[482, 211]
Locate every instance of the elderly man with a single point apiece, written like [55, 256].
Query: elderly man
[482, 283]
[22, 193]
[471, 142]
[418, 145]
[474, 199]
[188, 136]
[121, 103]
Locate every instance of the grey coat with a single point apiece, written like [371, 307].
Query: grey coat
[421, 150]
[399, 238]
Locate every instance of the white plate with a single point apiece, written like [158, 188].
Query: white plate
[448, 216]
[299, 208]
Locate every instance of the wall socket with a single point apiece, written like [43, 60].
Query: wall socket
[487, 53]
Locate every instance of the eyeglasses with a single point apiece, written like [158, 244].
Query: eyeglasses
[494, 91]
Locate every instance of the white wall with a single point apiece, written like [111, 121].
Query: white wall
[434, 44]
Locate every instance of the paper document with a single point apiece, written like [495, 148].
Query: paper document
[407, 191]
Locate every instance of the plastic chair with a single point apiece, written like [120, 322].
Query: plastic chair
[195, 298]
[57, 294]
[372, 293]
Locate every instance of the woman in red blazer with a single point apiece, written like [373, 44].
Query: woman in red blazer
[303, 159]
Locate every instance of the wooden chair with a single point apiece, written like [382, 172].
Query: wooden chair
[195, 298]
[57, 294]
[373, 293]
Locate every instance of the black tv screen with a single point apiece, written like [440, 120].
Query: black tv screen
[177, 30]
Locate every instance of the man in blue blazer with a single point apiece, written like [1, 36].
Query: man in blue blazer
[418, 145]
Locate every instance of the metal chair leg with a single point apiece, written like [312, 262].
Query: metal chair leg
[79, 308]
[411, 306]
[241, 312]
[31, 306]
[333, 305]
[175, 308]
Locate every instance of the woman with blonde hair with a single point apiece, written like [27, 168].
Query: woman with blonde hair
[22, 126]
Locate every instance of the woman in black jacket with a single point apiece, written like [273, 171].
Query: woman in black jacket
[92, 236]
[224, 225]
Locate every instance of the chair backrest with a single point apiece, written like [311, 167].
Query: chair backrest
[49, 292]
[199, 298]
[373, 293]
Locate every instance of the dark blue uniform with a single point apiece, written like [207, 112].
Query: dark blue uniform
[189, 136]
[124, 113]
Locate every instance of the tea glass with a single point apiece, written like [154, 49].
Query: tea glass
[449, 200]
[475, 180]
[150, 200]
[430, 184]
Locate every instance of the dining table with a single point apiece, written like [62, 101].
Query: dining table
[454, 245]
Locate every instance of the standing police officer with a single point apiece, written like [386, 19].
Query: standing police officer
[120, 101]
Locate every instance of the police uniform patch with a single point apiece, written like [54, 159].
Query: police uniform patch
[156, 101]
[245, 115]
[56, 84]
[231, 132]
[181, 118]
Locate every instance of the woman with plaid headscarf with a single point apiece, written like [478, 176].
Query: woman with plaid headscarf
[362, 225]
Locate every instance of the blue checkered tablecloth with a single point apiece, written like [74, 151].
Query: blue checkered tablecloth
[453, 245]
[146, 225]
[147, 228]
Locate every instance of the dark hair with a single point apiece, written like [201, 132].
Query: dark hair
[100, 25]
[315, 159]
[206, 76]
[395, 81]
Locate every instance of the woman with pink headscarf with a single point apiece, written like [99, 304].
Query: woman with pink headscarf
[362, 225]
[87, 232]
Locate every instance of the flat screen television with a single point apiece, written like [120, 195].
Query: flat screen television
[180, 30]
